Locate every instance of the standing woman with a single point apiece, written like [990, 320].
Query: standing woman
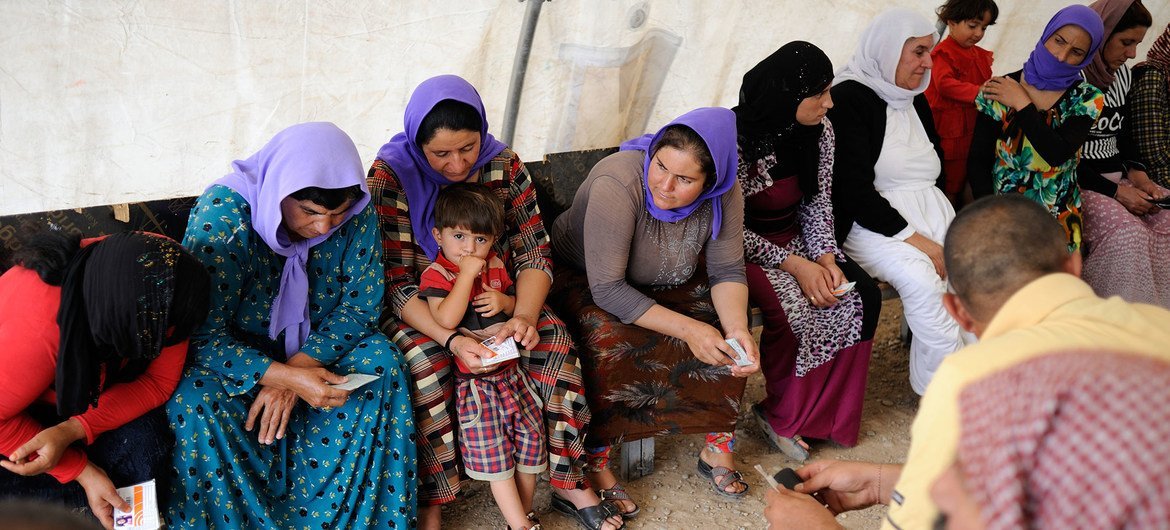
[263, 440]
[93, 335]
[637, 228]
[887, 203]
[814, 347]
[445, 141]
[1127, 236]
[1033, 122]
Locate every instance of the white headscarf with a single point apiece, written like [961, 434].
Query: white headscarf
[876, 59]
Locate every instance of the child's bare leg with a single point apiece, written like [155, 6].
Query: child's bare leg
[526, 485]
[508, 499]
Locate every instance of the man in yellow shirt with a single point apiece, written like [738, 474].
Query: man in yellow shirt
[1017, 288]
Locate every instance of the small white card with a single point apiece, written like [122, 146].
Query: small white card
[741, 356]
[844, 289]
[143, 514]
[503, 351]
[356, 381]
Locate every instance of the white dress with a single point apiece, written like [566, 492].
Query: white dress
[905, 175]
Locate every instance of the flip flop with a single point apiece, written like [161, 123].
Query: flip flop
[589, 517]
[722, 477]
[794, 448]
[618, 493]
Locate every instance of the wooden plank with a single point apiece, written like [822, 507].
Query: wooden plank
[636, 459]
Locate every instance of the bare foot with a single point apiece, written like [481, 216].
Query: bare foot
[726, 460]
[430, 517]
[605, 479]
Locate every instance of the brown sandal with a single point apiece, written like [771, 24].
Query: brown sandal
[618, 493]
[722, 477]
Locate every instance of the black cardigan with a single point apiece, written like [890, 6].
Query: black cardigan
[859, 119]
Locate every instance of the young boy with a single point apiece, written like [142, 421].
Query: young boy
[469, 289]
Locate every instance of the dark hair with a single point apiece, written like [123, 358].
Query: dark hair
[998, 244]
[472, 206]
[960, 10]
[448, 114]
[1136, 16]
[46, 251]
[330, 198]
[686, 139]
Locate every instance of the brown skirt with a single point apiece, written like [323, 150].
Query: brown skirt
[640, 383]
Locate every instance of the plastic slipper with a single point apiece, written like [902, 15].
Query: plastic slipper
[590, 517]
[618, 493]
[722, 477]
[794, 448]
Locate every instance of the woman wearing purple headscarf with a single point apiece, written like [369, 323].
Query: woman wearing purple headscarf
[654, 324]
[263, 438]
[446, 140]
[1033, 122]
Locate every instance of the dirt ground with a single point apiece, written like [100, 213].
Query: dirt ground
[674, 496]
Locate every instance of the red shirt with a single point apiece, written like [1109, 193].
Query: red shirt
[438, 279]
[29, 338]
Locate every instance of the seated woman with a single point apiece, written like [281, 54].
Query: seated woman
[1150, 110]
[638, 228]
[888, 207]
[1127, 236]
[1033, 122]
[94, 335]
[264, 439]
[446, 140]
[815, 344]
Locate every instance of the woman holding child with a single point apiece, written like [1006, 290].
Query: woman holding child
[816, 343]
[446, 141]
[263, 438]
[642, 226]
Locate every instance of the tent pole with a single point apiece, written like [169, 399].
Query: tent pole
[519, 68]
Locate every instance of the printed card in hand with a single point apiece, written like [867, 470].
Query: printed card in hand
[143, 514]
[504, 350]
[356, 381]
[741, 356]
[844, 289]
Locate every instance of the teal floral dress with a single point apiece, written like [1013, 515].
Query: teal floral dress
[351, 466]
[1020, 165]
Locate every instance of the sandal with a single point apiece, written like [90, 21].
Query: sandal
[589, 517]
[794, 448]
[722, 477]
[618, 493]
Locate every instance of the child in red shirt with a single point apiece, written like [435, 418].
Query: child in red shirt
[960, 69]
[468, 288]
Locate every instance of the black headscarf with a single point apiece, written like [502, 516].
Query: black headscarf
[119, 296]
[766, 114]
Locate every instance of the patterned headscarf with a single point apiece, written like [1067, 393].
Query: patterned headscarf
[875, 62]
[119, 297]
[716, 126]
[409, 163]
[1073, 440]
[1098, 73]
[766, 115]
[1043, 70]
[308, 155]
[1159, 55]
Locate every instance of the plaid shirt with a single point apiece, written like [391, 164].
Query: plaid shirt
[1149, 115]
[527, 241]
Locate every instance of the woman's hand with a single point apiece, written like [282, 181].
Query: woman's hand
[522, 329]
[748, 343]
[829, 261]
[312, 385]
[933, 250]
[1007, 91]
[492, 303]
[707, 345]
[471, 352]
[1142, 181]
[273, 406]
[1136, 201]
[816, 282]
[42, 452]
[100, 494]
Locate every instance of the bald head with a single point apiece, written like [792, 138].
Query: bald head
[997, 245]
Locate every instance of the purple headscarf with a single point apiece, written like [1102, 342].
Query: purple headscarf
[410, 165]
[314, 154]
[1043, 70]
[716, 126]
